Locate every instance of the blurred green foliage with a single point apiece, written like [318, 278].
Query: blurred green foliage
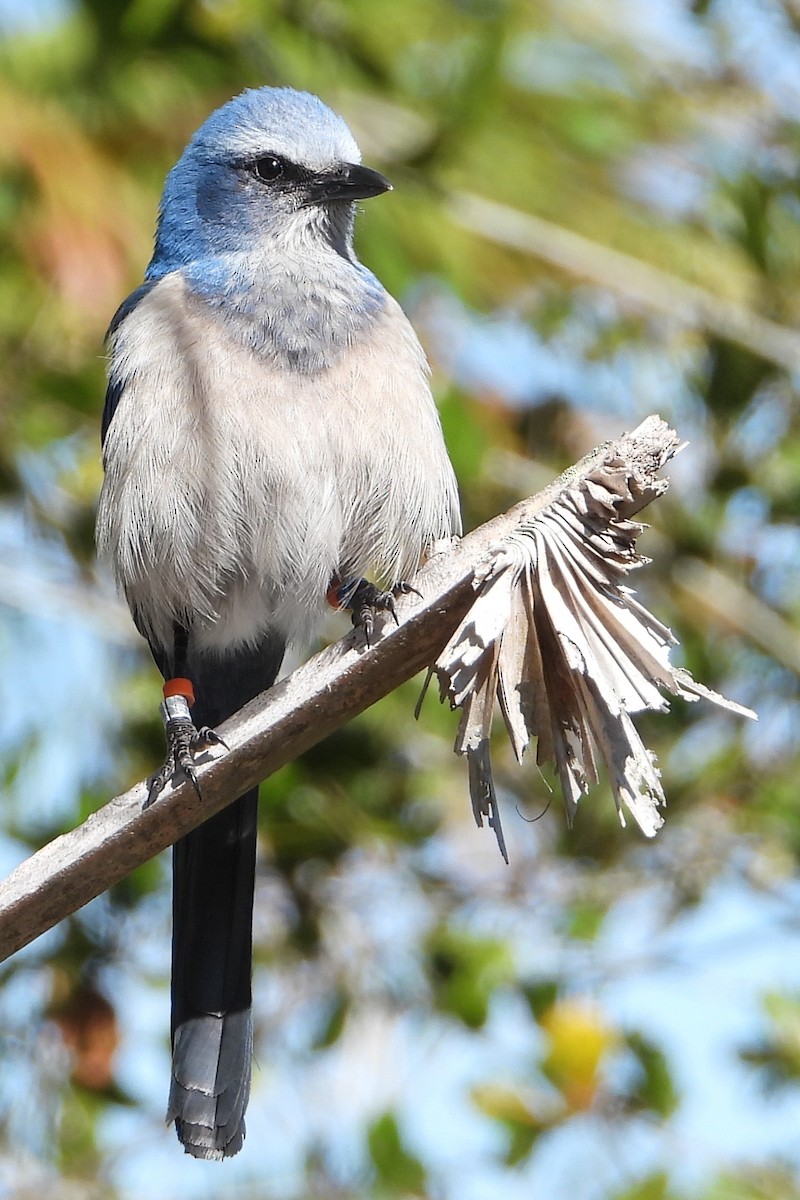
[667, 146]
[397, 1172]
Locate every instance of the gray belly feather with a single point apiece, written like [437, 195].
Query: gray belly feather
[235, 489]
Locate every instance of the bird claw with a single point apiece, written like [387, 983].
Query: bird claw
[406, 589]
[206, 736]
[184, 740]
[367, 599]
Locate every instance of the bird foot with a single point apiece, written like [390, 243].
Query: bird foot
[366, 599]
[184, 741]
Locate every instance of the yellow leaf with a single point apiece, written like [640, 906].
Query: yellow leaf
[578, 1040]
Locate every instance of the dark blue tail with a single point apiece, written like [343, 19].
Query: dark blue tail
[213, 883]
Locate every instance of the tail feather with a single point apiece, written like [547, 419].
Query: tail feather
[213, 884]
[211, 1069]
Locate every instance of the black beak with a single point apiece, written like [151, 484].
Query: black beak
[350, 181]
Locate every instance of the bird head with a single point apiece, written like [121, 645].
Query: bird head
[272, 167]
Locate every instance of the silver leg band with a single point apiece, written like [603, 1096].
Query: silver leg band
[175, 708]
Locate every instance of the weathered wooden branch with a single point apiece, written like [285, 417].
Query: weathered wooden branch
[278, 726]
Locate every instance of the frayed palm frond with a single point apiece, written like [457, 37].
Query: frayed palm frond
[558, 638]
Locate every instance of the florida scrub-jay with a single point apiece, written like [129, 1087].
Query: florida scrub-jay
[269, 431]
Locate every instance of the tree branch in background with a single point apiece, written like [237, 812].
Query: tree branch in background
[629, 277]
[528, 606]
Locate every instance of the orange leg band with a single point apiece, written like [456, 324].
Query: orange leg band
[179, 687]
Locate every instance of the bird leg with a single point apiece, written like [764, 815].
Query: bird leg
[365, 599]
[184, 739]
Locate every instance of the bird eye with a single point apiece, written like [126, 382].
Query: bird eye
[268, 168]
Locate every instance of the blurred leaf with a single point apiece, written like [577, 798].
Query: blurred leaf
[333, 1025]
[524, 1118]
[585, 920]
[541, 996]
[655, 1089]
[755, 1183]
[397, 1171]
[88, 1027]
[777, 1057]
[579, 1040]
[464, 971]
[654, 1187]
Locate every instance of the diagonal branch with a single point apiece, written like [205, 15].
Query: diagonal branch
[292, 716]
[631, 277]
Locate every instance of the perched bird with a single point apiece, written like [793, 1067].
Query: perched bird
[269, 438]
